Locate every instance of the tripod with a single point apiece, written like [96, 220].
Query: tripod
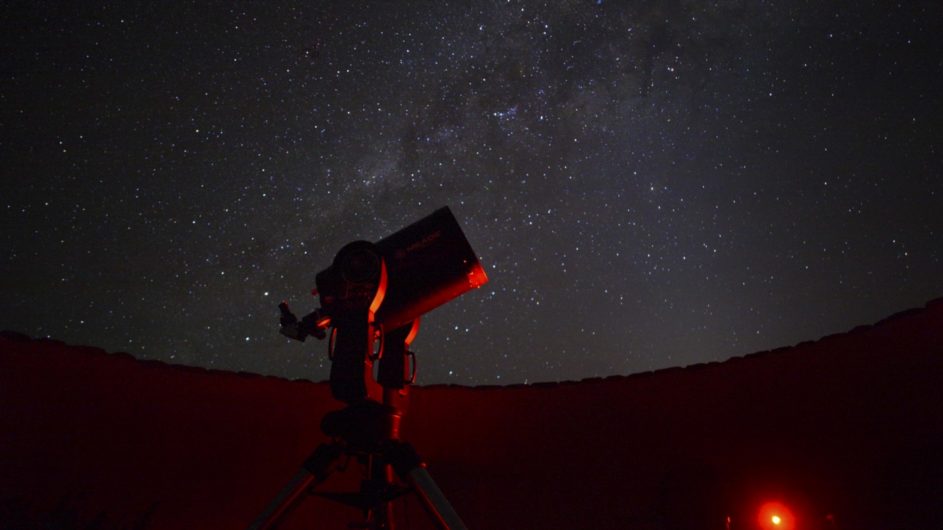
[369, 431]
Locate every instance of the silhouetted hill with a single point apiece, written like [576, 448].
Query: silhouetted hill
[847, 431]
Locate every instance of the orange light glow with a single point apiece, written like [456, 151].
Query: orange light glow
[776, 515]
[477, 276]
[382, 286]
[413, 331]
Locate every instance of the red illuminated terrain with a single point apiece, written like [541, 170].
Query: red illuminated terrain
[844, 432]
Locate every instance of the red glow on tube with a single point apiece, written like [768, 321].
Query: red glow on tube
[776, 516]
[477, 276]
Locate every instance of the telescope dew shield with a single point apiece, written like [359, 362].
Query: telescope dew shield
[428, 263]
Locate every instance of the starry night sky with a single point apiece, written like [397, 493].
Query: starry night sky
[648, 184]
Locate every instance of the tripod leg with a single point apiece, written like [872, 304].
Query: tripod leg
[434, 500]
[389, 512]
[314, 470]
[411, 469]
[377, 494]
[383, 513]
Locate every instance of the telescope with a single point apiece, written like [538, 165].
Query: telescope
[372, 297]
[371, 289]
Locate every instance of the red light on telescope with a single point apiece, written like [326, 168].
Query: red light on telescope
[776, 516]
[477, 276]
